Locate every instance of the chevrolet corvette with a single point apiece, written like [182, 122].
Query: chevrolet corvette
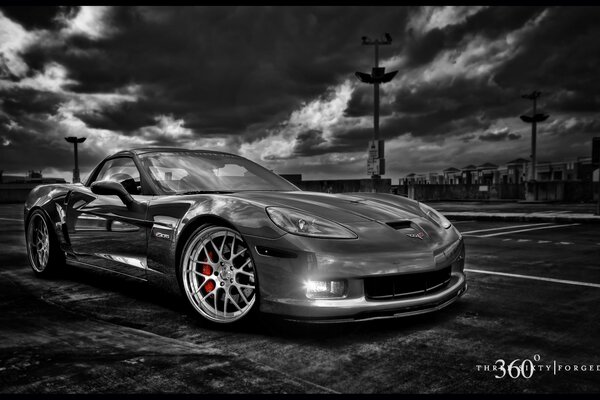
[233, 239]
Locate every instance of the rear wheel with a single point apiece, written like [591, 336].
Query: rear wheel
[42, 245]
[218, 275]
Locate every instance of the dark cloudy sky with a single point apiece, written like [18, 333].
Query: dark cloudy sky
[277, 85]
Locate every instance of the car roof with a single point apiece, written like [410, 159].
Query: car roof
[145, 150]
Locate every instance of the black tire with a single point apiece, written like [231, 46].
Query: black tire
[43, 250]
[217, 275]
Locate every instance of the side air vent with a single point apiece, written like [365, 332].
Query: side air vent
[271, 252]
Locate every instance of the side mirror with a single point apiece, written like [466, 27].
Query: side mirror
[111, 188]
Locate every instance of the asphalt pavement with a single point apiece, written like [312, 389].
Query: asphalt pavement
[533, 294]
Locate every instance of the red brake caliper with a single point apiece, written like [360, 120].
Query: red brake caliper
[207, 270]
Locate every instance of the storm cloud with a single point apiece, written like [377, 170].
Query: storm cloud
[499, 135]
[277, 84]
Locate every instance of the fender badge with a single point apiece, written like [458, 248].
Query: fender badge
[419, 235]
[162, 235]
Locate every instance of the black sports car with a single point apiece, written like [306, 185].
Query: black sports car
[234, 237]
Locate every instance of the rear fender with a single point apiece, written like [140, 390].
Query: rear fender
[51, 200]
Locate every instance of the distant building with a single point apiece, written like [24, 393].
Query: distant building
[513, 172]
[516, 171]
[452, 176]
[556, 171]
[414, 179]
[30, 177]
[434, 178]
[585, 170]
[486, 174]
[409, 179]
[469, 174]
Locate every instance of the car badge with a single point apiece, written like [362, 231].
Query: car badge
[419, 235]
[161, 235]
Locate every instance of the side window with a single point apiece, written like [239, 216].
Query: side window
[122, 170]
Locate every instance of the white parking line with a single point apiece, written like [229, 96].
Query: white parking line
[537, 278]
[506, 227]
[11, 219]
[526, 230]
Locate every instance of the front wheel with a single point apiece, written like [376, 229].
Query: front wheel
[218, 275]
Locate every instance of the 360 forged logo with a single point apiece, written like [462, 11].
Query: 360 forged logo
[526, 368]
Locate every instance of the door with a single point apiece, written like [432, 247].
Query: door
[105, 233]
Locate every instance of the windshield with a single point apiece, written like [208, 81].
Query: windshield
[189, 172]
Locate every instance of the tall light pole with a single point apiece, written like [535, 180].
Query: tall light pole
[533, 120]
[595, 164]
[75, 140]
[376, 159]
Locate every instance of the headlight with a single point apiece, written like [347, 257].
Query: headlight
[304, 224]
[435, 216]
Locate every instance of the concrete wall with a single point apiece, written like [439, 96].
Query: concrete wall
[347, 185]
[464, 192]
[566, 191]
[15, 192]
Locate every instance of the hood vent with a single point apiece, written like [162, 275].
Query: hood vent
[399, 224]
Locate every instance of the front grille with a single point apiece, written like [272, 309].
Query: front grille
[397, 286]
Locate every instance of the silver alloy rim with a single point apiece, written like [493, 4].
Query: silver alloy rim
[218, 275]
[38, 243]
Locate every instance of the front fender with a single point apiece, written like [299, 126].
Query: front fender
[248, 217]
[174, 218]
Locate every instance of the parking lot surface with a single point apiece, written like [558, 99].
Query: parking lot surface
[533, 295]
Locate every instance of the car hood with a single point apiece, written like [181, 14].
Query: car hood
[339, 207]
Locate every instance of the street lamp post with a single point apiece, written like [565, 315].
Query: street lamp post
[533, 120]
[75, 140]
[376, 160]
[596, 164]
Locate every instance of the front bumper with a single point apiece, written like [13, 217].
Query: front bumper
[282, 278]
[362, 309]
